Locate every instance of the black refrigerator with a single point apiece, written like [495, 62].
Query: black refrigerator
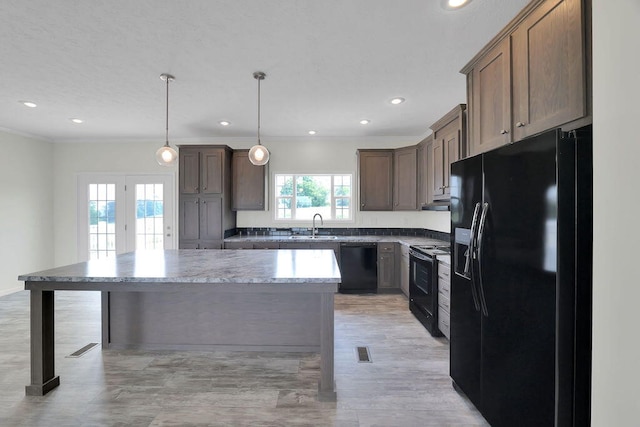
[521, 233]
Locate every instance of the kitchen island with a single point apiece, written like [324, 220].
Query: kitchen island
[261, 300]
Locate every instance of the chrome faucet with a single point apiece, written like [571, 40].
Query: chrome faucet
[313, 227]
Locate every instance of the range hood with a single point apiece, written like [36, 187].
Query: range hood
[443, 205]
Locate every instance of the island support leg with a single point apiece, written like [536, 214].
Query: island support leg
[43, 378]
[327, 385]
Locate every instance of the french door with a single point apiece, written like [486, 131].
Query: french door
[123, 213]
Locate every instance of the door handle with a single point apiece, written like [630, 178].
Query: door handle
[481, 228]
[469, 254]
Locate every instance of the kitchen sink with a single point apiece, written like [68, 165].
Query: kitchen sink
[313, 237]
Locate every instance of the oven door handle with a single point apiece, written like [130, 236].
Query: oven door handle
[420, 256]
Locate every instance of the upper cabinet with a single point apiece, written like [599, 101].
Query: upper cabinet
[248, 183]
[405, 170]
[201, 170]
[449, 144]
[204, 212]
[388, 179]
[376, 180]
[424, 175]
[490, 99]
[532, 76]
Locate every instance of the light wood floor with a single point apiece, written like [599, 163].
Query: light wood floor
[407, 383]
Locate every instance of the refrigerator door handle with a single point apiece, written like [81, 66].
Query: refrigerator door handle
[481, 228]
[470, 255]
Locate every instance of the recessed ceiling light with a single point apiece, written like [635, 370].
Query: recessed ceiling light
[396, 101]
[76, 121]
[224, 123]
[365, 122]
[454, 4]
[29, 104]
[312, 132]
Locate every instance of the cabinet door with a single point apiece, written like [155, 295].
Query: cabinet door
[386, 265]
[404, 269]
[189, 221]
[548, 68]
[428, 172]
[451, 151]
[437, 171]
[266, 245]
[248, 183]
[189, 171]
[211, 218]
[211, 171]
[405, 168]
[376, 178]
[491, 93]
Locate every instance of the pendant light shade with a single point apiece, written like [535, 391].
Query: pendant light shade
[167, 156]
[258, 154]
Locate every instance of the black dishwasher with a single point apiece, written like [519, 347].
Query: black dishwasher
[359, 268]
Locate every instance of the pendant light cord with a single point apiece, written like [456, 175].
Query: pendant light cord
[259, 78]
[167, 116]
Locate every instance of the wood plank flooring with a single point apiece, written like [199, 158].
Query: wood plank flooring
[406, 383]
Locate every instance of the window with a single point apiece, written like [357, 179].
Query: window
[299, 197]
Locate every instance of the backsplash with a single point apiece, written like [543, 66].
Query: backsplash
[273, 231]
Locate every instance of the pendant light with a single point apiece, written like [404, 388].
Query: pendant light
[167, 156]
[258, 154]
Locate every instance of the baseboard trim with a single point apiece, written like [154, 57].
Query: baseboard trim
[5, 292]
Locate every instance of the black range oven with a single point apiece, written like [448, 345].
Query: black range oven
[423, 285]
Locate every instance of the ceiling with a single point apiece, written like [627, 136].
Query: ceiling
[329, 64]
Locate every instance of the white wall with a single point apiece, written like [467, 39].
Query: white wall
[287, 155]
[72, 159]
[616, 293]
[26, 219]
[314, 155]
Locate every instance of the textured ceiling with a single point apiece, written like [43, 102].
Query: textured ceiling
[329, 64]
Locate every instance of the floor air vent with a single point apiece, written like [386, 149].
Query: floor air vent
[363, 354]
[83, 350]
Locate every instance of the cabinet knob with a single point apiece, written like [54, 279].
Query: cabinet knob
[519, 124]
[197, 188]
[362, 205]
[504, 132]
[204, 188]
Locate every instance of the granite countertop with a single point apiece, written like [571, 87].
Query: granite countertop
[405, 240]
[200, 266]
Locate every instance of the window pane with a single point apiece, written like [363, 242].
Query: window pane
[313, 196]
[149, 216]
[284, 185]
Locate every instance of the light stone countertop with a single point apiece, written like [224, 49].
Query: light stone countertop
[404, 240]
[200, 266]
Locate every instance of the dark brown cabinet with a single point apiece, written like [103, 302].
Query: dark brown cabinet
[491, 99]
[425, 174]
[205, 196]
[405, 173]
[376, 180]
[387, 267]
[548, 68]
[248, 183]
[531, 77]
[449, 136]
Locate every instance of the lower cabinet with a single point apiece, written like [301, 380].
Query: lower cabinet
[444, 298]
[404, 269]
[387, 267]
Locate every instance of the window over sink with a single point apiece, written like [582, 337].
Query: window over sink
[299, 197]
